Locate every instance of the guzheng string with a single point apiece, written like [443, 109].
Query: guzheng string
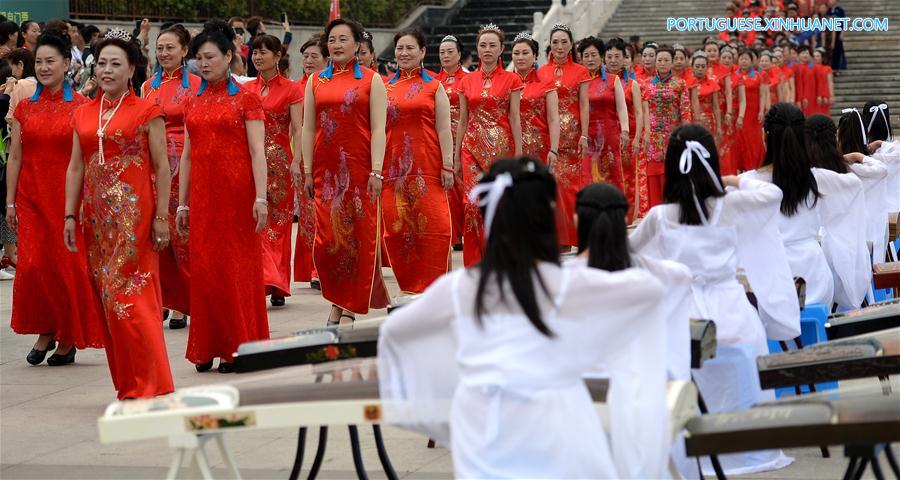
[488, 195]
[686, 164]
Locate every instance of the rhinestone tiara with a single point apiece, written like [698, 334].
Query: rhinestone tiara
[366, 35]
[118, 33]
[491, 27]
[523, 36]
[449, 38]
[561, 26]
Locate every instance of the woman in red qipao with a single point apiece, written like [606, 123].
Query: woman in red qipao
[450, 76]
[52, 295]
[418, 171]
[281, 100]
[805, 75]
[733, 102]
[680, 67]
[489, 128]
[170, 88]
[344, 111]
[773, 73]
[705, 96]
[608, 128]
[749, 148]
[304, 270]
[786, 88]
[618, 58]
[223, 206]
[539, 106]
[119, 145]
[571, 81]
[824, 82]
[647, 69]
[666, 106]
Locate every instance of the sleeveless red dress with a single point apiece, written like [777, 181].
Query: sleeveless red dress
[119, 206]
[347, 218]
[171, 93]
[52, 292]
[228, 304]
[413, 201]
[276, 237]
[304, 270]
[821, 73]
[455, 194]
[604, 159]
[533, 108]
[706, 87]
[629, 164]
[749, 147]
[488, 138]
[569, 171]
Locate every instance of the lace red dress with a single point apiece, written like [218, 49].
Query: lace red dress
[347, 221]
[455, 194]
[171, 92]
[119, 206]
[276, 244]
[52, 292]
[228, 304]
[488, 138]
[604, 147]
[569, 171]
[304, 270]
[413, 201]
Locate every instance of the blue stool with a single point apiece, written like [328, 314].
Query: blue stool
[812, 330]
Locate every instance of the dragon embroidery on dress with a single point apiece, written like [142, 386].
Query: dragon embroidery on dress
[278, 189]
[346, 207]
[410, 223]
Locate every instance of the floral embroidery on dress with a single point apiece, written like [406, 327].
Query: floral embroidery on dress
[349, 99]
[346, 207]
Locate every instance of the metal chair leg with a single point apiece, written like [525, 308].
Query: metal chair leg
[714, 459]
[876, 468]
[320, 453]
[863, 462]
[892, 461]
[357, 454]
[851, 468]
[298, 456]
[382, 454]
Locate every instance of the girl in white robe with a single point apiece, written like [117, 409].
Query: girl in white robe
[509, 341]
[884, 147]
[818, 205]
[714, 232]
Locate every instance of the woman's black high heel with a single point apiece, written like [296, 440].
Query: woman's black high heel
[57, 360]
[226, 367]
[35, 356]
[203, 367]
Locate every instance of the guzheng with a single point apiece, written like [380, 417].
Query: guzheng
[875, 354]
[886, 275]
[893, 231]
[878, 316]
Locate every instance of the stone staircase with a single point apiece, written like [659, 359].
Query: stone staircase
[647, 18]
[513, 16]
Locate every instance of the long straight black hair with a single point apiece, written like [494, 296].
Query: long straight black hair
[821, 144]
[881, 127]
[522, 234]
[786, 152]
[850, 134]
[678, 189]
[602, 230]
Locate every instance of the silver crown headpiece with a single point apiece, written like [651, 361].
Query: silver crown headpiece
[118, 33]
[523, 36]
[561, 26]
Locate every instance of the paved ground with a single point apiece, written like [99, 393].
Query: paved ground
[48, 418]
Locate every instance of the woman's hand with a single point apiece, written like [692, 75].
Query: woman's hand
[582, 146]
[873, 147]
[182, 222]
[160, 232]
[69, 235]
[731, 181]
[854, 157]
[373, 188]
[11, 220]
[447, 178]
[551, 160]
[646, 141]
[761, 117]
[623, 140]
[308, 185]
[635, 149]
[297, 175]
[261, 215]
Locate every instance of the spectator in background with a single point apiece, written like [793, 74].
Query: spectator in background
[21, 83]
[90, 34]
[9, 37]
[30, 32]
[78, 46]
[238, 25]
[255, 26]
[467, 61]
[836, 47]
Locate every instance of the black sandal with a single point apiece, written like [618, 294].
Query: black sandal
[203, 367]
[333, 323]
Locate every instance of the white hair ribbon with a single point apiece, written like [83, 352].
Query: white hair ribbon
[861, 124]
[492, 193]
[875, 110]
[686, 164]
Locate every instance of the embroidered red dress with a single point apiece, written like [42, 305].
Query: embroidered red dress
[630, 164]
[604, 147]
[728, 161]
[119, 204]
[775, 79]
[347, 218]
[488, 138]
[669, 107]
[171, 92]
[304, 270]
[749, 148]
[705, 88]
[413, 201]
[533, 115]
[228, 304]
[52, 292]
[568, 77]
[455, 194]
[276, 242]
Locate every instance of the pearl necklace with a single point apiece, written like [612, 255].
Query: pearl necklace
[101, 127]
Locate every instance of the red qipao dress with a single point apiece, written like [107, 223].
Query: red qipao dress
[119, 206]
[821, 73]
[775, 79]
[629, 164]
[706, 87]
[454, 195]
[749, 148]
[805, 81]
[488, 138]
[171, 93]
[52, 292]
[228, 303]
[347, 218]
[533, 115]
[669, 107]
[278, 94]
[304, 270]
[413, 201]
[568, 77]
[728, 159]
[604, 150]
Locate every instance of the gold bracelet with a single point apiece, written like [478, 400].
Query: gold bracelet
[161, 218]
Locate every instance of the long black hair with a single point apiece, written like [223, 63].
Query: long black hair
[523, 232]
[880, 129]
[218, 33]
[821, 143]
[786, 152]
[602, 230]
[851, 135]
[680, 188]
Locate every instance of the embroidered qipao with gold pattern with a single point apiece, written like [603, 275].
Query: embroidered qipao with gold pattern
[455, 194]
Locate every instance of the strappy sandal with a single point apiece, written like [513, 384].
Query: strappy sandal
[334, 323]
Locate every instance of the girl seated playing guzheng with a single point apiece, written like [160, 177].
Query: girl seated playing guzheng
[714, 231]
[884, 147]
[507, 342]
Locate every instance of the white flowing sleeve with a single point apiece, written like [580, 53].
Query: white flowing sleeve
[645, 239]
[873, 174]
[889, 154]
[754, 209]
[417, 370]
[844, 243]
